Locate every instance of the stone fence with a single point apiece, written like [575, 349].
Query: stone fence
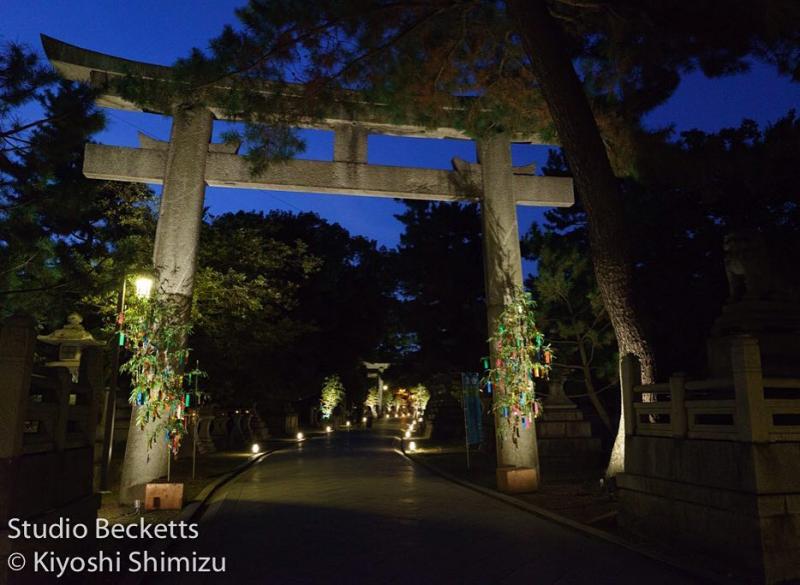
[220, 430]
[743, 407]
[47, 432]
[715, 464]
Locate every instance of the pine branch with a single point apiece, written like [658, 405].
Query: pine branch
[382, 47]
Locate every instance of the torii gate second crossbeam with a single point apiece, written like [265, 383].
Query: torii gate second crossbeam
[189, 162]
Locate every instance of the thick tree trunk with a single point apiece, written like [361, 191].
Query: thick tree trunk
[586, 369]
[592, 172]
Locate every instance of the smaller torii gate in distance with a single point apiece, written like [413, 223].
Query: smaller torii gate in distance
[189, 162]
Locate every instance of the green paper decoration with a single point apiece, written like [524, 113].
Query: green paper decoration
[155, 333]
[521, 356]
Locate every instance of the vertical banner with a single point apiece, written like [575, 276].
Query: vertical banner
[471, 388]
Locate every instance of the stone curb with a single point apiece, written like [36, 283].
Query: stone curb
[191, 509]
[707, 576]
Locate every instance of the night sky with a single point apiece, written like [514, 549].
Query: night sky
[160, 31]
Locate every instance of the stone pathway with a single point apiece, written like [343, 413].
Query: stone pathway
[349, 509]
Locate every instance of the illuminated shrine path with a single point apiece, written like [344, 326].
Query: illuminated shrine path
[349, 509]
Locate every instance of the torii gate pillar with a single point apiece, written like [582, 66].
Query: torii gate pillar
[181, 212]
[175, 261]
[503, 274]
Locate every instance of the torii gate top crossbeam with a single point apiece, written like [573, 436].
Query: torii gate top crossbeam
[351, 119]
[79, 64]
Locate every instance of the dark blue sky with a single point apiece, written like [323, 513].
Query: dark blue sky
[160, 31]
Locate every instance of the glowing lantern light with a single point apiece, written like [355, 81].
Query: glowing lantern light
[143, 287]
[256, 448]
[300, 436]
[412, 446]
[328, 429]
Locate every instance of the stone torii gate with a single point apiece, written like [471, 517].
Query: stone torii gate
[189, 162]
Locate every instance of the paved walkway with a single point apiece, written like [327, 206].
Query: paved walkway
[349, 509]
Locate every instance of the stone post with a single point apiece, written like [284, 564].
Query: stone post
[503, 274]
[175, 260]
[752, 418]
[63, 381]
[205, 444]
[91, 383]
[219, 431]
[630, 376]
[17, 340]
[677, 412]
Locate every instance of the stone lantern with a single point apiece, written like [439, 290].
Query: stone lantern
[71, 339]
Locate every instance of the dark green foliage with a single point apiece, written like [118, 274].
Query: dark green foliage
[155, 332]
[416, 59]
[692, 192]
[413, 59]
[440, 276]
[521, 358]
[246, 286]
[283, 300]
[65, 241]
[22, 78]
[571, 312]
[696, 190]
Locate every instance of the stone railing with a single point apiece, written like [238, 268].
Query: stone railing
[713, 464]
[744, 407]
[219, 430]
[47, 431]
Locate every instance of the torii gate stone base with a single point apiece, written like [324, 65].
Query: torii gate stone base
[188, 162]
